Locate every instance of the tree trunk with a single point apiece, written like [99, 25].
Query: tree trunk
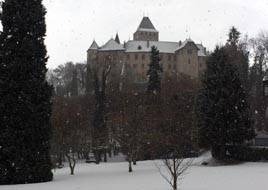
[72, 170]
[105, 155]
[175, 177]
[175, 183]
[134, 161]
[97, 156]
[60, 159]
[72, 162]
[130, 163]
[130, 166]
[110, 152]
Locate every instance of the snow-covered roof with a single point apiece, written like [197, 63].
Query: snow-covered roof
[145, 46]
[112, 45]
[162, 46]
[202, 50]
[146, 25]
[94, 45]
[188, 40]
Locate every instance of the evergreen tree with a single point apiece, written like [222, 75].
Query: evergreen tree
[238, 56]
[234, 36]
[155, 69]
[25, 105]
[224, 114]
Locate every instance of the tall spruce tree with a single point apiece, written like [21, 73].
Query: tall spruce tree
[25, 105]
[224, 114]
[155, 69]
[238, 56]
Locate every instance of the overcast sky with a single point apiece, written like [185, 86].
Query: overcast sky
[73, 24]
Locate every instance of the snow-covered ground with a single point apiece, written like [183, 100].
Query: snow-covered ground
[114, 176]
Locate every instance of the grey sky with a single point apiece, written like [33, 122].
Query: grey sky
[73, 24]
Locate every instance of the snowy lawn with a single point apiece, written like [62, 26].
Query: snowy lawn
[114, 176]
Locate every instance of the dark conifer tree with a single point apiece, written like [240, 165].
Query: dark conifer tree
[155, 69]
[234, 36]
[25, 96]
[224, 114]
[238, 56]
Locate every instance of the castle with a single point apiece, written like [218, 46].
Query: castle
[185, 57]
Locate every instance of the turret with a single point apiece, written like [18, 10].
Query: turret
[92, 51]
[117, 38]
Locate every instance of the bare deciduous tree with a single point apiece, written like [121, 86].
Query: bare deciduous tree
[177, 134]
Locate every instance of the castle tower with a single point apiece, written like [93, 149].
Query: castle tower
[92, 51]
[146, 31]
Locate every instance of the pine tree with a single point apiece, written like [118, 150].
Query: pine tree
[25, 105]
[155, 69]
[224, 114]
[238, 56]
[234, 36]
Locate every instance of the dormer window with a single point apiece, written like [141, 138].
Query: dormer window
[139, 47]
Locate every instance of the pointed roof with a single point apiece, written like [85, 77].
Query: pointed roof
[188, 40]
[112, 45]
[146, 24]
[117, 38]
[94, 46]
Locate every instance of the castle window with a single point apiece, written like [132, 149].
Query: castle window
[169, 66]
[142, 65]
[169, 57]
[143, 57]
[128, 56]
[175, 58]
[136, 56]
[189, 61]
[175, 67]
[134, 66]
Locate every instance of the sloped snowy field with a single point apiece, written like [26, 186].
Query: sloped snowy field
[114, 176]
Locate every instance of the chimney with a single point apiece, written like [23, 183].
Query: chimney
[148, 43]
